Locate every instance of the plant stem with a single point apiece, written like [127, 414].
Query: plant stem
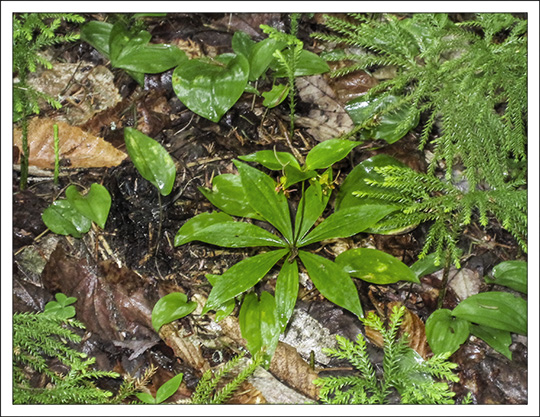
[160, 222]
[442, 292]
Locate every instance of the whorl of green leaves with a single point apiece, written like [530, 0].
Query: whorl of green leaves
[404, 370]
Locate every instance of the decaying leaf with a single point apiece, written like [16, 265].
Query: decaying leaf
[330, 119]
[352, 85]
[77, 148]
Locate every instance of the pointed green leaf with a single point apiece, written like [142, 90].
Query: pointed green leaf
[511, 274]
[327, 153]
[261, 55]
[242, 43]
[241, 277]
[426, 265]
[171, 307]
[97, 34]
[347, 222]
[199, 222]
[95, 205]
[263, 197]
[249, 321]
[286, 292]
[444, 332]
[276, 95]
[500, 310]
[63, 219]
[375, 266]
[210, 90]
[311, 207]
[500, 340]
[226, 308]
[145, 397]
[308, 64]
[151, 160]
[150, 58]
[332, 282]
[235, 235]
[294, 175]
[272, 159]
[228, 195]
[168, 388]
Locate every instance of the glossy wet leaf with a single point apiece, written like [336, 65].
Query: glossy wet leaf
[276, 95]
[272, 159]
[444, 332]
[311, 207]
[308, 64]
[95, 204]
[151, 160]
[511, 274]
[241, 277]
[263, 197]
[426, 265]
[346, 222]
[228, 195]
[500, 310]
[332, 282]
[197, 223]
[500, 340]
[286, 292]
[375, 266]
[227, 308]
[168, 388]
[235, 235]
[63, 219]
[327, 153]
[171, 307]
[293, 175]
[97, 34]
[210, 90]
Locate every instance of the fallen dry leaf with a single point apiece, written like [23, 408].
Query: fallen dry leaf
[77, 148]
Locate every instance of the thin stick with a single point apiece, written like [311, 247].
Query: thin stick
[56, 154]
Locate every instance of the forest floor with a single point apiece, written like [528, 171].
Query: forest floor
[120, 272]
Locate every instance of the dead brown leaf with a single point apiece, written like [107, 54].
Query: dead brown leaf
[77, 148]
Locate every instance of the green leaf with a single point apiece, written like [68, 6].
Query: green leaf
[262, 196]
[197, 223]
[63, 219]
[228, 195]
[272, 159]
[276, 95]
[145, 397]
[327, 153]
[261, 55]
[210, 90]
[500, 340]
[95, 205]
[61, 307]
[511, 274]
[168, 388]
[375, 266]
[346, 222]
[286, 292]
[227, 308]
[242, 43]
[241, 277]
[444, 332]
[171, 307]
[426, 265]
[97, 34]
[152, 58]
[151, 160]
[308, 64]
[294, 175]
[235, 235]
[500, 310]
[311, 207]
[332, 282]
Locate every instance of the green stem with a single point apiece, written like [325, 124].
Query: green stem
[160, 222]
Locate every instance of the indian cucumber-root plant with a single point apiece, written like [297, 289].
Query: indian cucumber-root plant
[32, 32]
[255, 195]
[415, 380]
[468, 81]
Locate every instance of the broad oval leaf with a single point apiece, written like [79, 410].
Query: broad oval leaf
[375, 266]
[97, 34]
[274, 160]
[261, 56]
[145, 397]
[262, 196]
[211, 90]
[500, 340]
[63, 219]
[171, 307]
[276, 95]
[168, 388]
[294, 175]
[327, 153]
[227, 308]
[241, 277]
[151, 58]
[235, 235]
[444, 332]
[308, 64]
[151, 160]
[500, 310]
[511, 274]
[347, 222]
[426, 265]
[242, 43]
[95, 205]
[332, 282]
[286, 292]
[228, 195]
[199, 222]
